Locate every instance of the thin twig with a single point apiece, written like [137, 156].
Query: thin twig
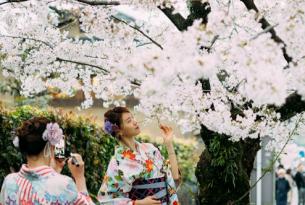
[208, 48]
[135, 82]
[27, 38]
[100, 3]
[82, 63]
[12, 1]
[213, 42]
[266, 30]
[273, 162]
[144, 44]
[140, 31]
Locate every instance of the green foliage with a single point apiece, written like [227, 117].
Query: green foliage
[224, 155]
[10, 86]
[83, 135]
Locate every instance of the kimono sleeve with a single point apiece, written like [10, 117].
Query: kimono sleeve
[115, 188]
[166, 164]
[2, 194]
[79, 198]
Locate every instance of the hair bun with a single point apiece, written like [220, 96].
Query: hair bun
[30, 135]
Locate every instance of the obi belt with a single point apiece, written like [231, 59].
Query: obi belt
[142, 188]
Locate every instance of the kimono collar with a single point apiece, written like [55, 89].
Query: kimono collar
[124, 147]
[37, 172]
[142, 152]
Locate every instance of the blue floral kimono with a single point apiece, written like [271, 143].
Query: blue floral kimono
[41, 185]
[127, 166]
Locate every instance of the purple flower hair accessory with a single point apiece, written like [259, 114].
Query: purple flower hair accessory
[53, 133]
[110, 128]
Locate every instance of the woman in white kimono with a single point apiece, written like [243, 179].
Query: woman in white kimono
[137, 173]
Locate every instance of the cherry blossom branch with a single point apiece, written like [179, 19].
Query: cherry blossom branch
[100, 3]
[198, 10]
[293, 105]
[27, 38]
[266, 30]
[12, 1]
[177, 19]
[82, 63]
[140, 31]
[134, 82]
[269, 169]
[265, 24]
[143, 44]
[208, 48]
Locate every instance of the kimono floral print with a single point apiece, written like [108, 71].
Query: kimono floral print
[126, 166]
[41, 185]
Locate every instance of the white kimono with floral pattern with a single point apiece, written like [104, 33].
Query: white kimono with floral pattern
[126, 166]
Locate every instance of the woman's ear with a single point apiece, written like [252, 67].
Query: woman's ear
[120, 134]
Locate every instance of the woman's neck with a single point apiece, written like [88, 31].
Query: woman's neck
[37, 161]
[130, 142]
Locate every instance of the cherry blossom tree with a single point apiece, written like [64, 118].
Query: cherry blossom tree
[231, 71]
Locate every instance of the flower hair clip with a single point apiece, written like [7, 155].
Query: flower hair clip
[110, 128]
[53, 133]
[15, 139]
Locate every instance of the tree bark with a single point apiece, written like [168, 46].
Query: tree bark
[224, 168]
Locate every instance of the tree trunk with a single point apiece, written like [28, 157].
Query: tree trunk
[224, 169]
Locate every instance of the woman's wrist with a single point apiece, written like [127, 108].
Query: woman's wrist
[170, 147]
[81, 184]
[80, 177]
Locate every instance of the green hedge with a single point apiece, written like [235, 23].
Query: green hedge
[83, 135]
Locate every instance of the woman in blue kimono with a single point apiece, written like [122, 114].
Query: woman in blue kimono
[39, 180]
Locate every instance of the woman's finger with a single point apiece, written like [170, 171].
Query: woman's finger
[69, 161]
[162, 127]
[167, 129]
[78, 157]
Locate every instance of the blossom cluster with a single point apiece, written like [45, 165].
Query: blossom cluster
[110, 58]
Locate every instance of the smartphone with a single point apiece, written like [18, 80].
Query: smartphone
[59, 151]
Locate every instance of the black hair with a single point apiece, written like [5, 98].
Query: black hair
[30, 133]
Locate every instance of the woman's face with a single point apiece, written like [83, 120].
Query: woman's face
[130, 127]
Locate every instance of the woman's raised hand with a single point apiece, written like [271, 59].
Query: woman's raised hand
[77, 171]
[168, 134]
